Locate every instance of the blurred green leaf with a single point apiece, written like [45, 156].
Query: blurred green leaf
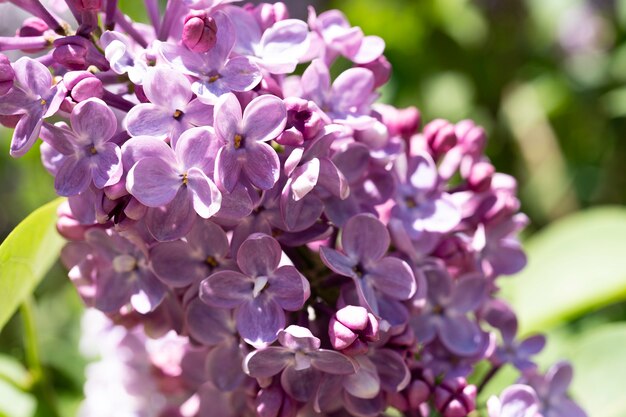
[25, 257]
[14, 402]
[575, 264]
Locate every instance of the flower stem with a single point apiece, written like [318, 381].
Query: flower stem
[492, 372]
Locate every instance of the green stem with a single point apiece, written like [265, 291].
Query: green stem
[41, 385]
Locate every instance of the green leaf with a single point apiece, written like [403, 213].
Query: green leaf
[14, 378]
[25, 257]
[576, 264]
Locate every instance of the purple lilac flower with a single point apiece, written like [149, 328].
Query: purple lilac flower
[277, 49]
[216, 74]
[515, 401]
[7, 75]
[243, 149]
[124, 56]
[171, 110]
[177, 175]
[260, 293]
[364, 242]
[551, 390]
[300, 360]
[445, 313]
[89, 156]
[34, 98]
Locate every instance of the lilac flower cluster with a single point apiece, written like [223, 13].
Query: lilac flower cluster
[265, 243]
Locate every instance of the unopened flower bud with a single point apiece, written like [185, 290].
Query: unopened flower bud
[267, 14]
[77, 53]
[351, 329]
[471, 137]
[200, 31]
[32, 26]
[455, 398]
[381, 68]
[304, 121]
[480, 176]
[440, 136]
[400, 122]
[82, 85]
[6, 75]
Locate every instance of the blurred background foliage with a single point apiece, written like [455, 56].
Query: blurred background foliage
[546, 78]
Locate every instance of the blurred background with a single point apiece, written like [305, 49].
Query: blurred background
[547, 80]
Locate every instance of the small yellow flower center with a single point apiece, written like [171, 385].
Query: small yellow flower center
[93, 150]
[211, 261]
[238, 139]
[177, 114]
[43, 101]
[214, 78]
[410, 202]
[185, 179]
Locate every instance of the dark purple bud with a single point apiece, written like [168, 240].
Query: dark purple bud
[351, 329]
[6, 75]
[200, 31]
[455, 252]
[77, 53]
[268, 14]
[480, 176]
[381, 69]
[304, 121]
[455, 398]
[400, 122]
[32, 26]
[440, 136]
[82, 85]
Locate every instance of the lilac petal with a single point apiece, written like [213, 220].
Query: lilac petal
[267, 362]
[73, 177]
[210, 91]
[174, 264]
[532, 345]
[364, 407]
[300, 384]
[302, 214]
[515, 401]
[172, 221]
[365, 238]
[332, 362]
[332, 179]
[209, 238]
[225, 42]
[226, 289]
[264, 118]
[352, 89]
[93, 120]
[149, 119]
[59, 137]
[460, 335]
[262, 165]
[284, 44]
[196, 147]
[198, 114]
[32, 75]
[304, 178]
[567, 408]
[288, 287]
[298, 338]
[167, 88]
[469, 294]
[508, 259]
[150, 294]
[227, 168]
[439, 285]
[316, 82]
[106, 165]
[112, 292]
[439, 215]
[423, 172]
[206, 324]
[392, 370]
[393, 277]
[240, 74]
[153, 182]
[259, 320]
[228, 117]
[371, 48]
[26, 133]
[207, 199]
[144, 147]
[560, 377]
[337, 261]
[365, 382]
[16, 101]
[259, 255]
[424, 328]
[248, 30]
[236, 205]
[182, 59]
[224, 365]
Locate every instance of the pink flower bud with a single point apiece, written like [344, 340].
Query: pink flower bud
[83, 85]
[268, 14]
[400, 122]
[480, 176]
[77, 53]
[6, 75]
[351, 329]
[200, 31]
[32, 26]
[455, 398]
[440, 136]
[471, 137]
